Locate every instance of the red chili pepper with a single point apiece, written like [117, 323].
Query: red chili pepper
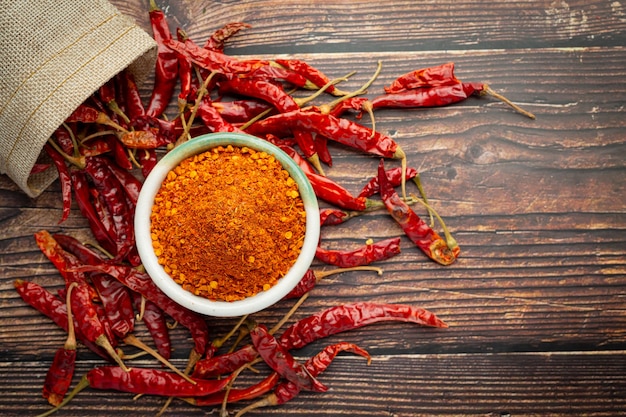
[63, 261]
[352, 316]
[426, 97]
[54, 308]
[154, 320]
[328, 190]
[64, 178]
[107, 95]
[120, 154]
[286, 391]
[87, 114]
[59, 376]
[151, 382]
[117, 303]
[166, 69]
[143, 284]
[83, 200]
[333, 217]
[217, 39]
[212, 119]
[317, 77]
[98, 146]
[147, 158]
[394, 177]
[413, 226]
[113, 194]
[364, 255]
[131, 184]
[132, 97]
[306, 284]
[240, 111]
[225, 363]
[277, 73]
[89, 321]
[213, 60]
[281, 361]
[423, 78]
[72, 245]
[237, 394]
[340, 130]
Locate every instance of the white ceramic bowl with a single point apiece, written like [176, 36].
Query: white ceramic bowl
[203, 305]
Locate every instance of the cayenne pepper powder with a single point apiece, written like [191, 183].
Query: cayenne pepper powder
[228, 223]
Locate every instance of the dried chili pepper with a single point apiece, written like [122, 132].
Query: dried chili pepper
[130, 184]
[281, 361]
[155, 321]
[420, 233]
[364, 255]
[142, 283]
[142, 381]
[113, 194]
[212, 118]
[314, 75]
[445, 90]
[340, 130]
[213, 60]
[59, 376]
[394, 177]
[54, 308]
[225, 363]
[287, 390]
[328, 190]
[333, 216]
[64, 178]
[132, 98]
[240, 111]
[89, 322]
[352, 316]
[117, 303]
[87, 114]
[237, 394]
[424, 77]
[217, 38]
[310, 279]
[166, 67]
[83, 200]
[107, 95]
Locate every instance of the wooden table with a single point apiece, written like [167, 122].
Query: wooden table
[535, 303]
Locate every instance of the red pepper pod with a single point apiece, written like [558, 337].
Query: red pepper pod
[225, 363]
[59, 376]
[213, 120]
[394, 176]
[314, 75]
[423, 78]
[364, 255]
[286, 391]
[281, 361]
[420, 233]
[155, 321]
[340, 130]
[142, 283]
[438, 96]
[352, 316]
[151, 382]
[306, 284]
[237, 394]
[64, 178]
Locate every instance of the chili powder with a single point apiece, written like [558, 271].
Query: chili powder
[228, 223]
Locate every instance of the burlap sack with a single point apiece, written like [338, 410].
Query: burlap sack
[53, 55]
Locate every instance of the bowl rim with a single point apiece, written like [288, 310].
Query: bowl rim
[203, 305]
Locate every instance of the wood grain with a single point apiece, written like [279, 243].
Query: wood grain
[535, 303]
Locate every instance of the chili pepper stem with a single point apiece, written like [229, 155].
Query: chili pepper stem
[320, 91]
[418, 182]
[104, 343]
[234, 376]
[269, 400]
[79, 161]
[323, 274]
[82, 384]
[219, 342]
[70, 342]
[104, 119]
[133, 341]
[488, 91]
[201, 93]
[450, 241]
[290, 313]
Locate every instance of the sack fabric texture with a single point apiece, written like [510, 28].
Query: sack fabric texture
[54, 55]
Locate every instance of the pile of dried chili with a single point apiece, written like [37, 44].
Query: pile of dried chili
[228, 223]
